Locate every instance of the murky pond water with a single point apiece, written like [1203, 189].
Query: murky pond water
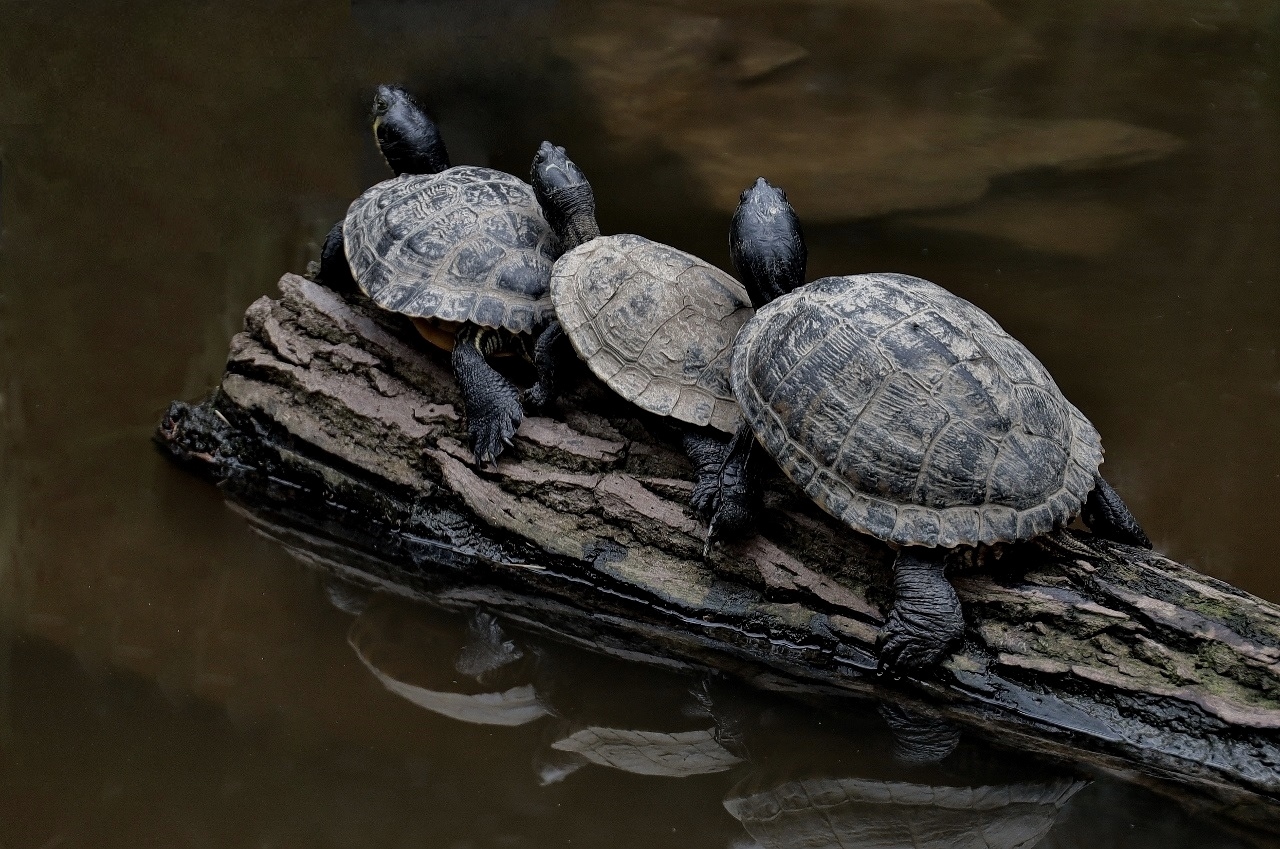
[1100, 177]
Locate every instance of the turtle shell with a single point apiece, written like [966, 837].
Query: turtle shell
[468, 245]
[911, 415]
[655, 324]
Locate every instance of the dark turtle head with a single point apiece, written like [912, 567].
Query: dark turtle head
[566, 198]
[766, 243]
[407, 137]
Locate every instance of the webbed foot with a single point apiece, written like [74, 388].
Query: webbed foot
[728, 497]
[535, 398]
[925, 621]
[705, 497]
[906, 643]
[707, 453]
[492, 423]
[492, 403]
[545, 358]
[729, 520]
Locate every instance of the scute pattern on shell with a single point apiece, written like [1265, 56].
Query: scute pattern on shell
[655, 324]
[468, 244]
[911, 415]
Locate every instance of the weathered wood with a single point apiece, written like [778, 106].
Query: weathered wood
[334, 420]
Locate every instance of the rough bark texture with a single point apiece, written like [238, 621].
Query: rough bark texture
[335, 420]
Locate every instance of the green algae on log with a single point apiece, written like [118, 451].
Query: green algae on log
[333, 420]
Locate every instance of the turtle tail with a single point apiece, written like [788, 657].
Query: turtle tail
[1107, 516]
[334, 271]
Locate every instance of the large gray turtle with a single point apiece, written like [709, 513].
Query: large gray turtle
[464, 252]
[909, 414]
[656, 324]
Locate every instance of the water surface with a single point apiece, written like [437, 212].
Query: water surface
[1100, 178]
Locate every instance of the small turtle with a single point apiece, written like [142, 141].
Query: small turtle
[410, 143]
[462, 251]
[654, 323]
[909, 414]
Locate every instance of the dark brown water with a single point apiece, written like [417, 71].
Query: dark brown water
[1101, 177]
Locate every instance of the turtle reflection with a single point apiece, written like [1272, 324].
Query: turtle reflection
[405, 653]
[669, 754]
[828, 813]
[499, 683]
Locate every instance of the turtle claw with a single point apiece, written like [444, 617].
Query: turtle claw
[494, 428]
[884, 668]
[902, 647]
[705, 496]
[536, 398]
[493, 410]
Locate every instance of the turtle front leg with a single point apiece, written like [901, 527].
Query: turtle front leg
[735, 494]
[1107, 516]
[925, 620]
[545, 359]
[492, 403]
[707, 452]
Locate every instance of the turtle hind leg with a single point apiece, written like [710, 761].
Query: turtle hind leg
[492, 403]
[334, 272]
[546, 358]
[1108, 517]
[925, 620]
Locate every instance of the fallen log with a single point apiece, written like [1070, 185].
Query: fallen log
[333, 419]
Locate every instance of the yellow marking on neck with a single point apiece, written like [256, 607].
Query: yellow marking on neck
[377, 122]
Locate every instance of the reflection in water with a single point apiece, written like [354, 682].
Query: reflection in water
[731, 101]
[671, 755]
[920, 739]
[327, 750]
[397, 645]
[400, 650]
[487, 648]
[405, 652]
[171, 680]
[838, 813]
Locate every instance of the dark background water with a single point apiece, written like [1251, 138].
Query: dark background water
[1100, 177]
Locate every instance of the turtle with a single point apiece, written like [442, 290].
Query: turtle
[655, 323]
[462, 251]
[909, 414]
[410, 143]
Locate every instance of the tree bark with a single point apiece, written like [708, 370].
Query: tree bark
[334, 420]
